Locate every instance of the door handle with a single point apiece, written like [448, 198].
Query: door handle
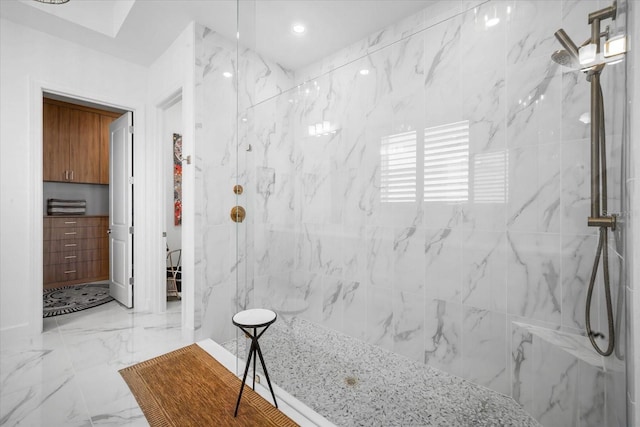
[109, 231]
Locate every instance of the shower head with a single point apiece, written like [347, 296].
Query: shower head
[565, 59]
[570, 47]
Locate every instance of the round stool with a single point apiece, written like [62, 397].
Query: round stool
[249, 321]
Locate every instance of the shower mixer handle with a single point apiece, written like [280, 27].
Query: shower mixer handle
[605, 13]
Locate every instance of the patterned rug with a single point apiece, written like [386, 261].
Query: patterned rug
[189, 388]
[74, 298]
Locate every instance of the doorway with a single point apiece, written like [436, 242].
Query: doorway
[171, 131]
[77, 192]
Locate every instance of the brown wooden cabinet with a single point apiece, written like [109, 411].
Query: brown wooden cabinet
[75, 143]
[55, 142]
[76, 250]
[84, 146]
[105, 121]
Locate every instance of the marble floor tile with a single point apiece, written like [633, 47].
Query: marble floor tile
[53, 403]
[68, 375]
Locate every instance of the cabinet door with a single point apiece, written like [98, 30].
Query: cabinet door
[84, 147]
[105, 121]
[55, 142]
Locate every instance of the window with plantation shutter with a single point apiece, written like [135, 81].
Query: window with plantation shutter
[398, 168]
[490, 183]
[446, 163]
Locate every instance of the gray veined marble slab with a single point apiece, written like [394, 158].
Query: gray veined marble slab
[352, 383]
[68, 375]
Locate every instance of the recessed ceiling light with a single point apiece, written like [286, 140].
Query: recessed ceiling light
[364, 71]
[227, 74]
[298, 28]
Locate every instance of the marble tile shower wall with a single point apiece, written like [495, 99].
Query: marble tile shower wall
[222, 260]
[438, 281]
[215, 159]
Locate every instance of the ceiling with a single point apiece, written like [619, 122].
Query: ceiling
[140, 30]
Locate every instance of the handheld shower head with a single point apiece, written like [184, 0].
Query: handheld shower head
[565, 59]
[568, 44]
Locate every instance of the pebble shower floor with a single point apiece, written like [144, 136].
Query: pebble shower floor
[352, 383]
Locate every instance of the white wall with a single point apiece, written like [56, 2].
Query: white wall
[171, 77]
[29, 62]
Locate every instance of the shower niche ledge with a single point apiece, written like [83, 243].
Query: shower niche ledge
[575, 345]
[560, 380]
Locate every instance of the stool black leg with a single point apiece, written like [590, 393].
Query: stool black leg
[244, 377]
[266, 374]
[254, 341]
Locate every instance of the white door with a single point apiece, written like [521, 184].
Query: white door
[121, 209]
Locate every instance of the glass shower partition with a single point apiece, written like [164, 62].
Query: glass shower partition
[245, 62]
[325, 163]
[422, 187]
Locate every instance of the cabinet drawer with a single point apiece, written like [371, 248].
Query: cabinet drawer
[61, 233]
[72, 271]
[68, 257]
[104, 266]
[65, 233]
[75, 244]
[49, 274]
[75, 249]
[61, 273]
[51, 258]
[80, 221]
